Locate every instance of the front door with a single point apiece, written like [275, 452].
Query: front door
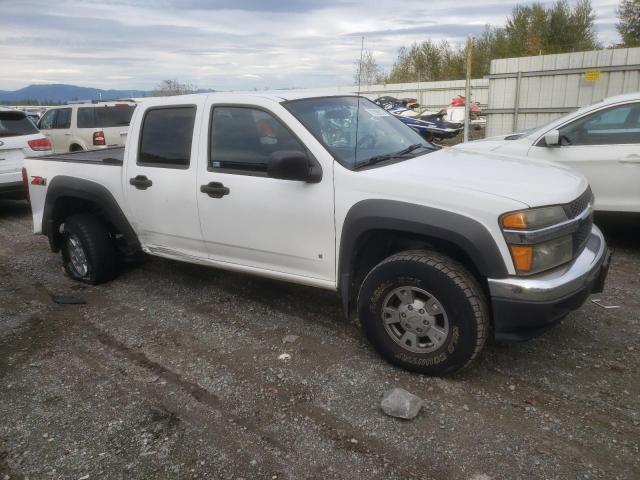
[280, 226]
[605, 147]
[160, 182]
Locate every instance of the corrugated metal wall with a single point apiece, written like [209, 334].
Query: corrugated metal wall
[433, 95]
[549, 86]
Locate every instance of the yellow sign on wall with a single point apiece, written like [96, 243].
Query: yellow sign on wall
[592, 75]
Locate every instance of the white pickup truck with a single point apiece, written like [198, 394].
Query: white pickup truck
[434, 249]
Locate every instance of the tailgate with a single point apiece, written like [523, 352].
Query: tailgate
[12, 152]
[116, 136]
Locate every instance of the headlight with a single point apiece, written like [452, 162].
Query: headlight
[534, 218]
[529, 259]
[538, 238]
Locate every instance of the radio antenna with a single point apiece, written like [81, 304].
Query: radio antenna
[355, 152]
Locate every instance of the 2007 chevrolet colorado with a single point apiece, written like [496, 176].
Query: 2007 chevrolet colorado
[433, 248]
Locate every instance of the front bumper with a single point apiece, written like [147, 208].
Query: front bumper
[524, 307]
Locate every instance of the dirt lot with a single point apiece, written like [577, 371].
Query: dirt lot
[172, 371]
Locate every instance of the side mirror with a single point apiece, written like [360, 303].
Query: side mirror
[293, 165]
[552, 138]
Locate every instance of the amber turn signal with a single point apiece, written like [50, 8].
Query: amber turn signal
[522, 257]
[515, 220]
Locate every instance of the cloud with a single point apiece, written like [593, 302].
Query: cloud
[228, 44]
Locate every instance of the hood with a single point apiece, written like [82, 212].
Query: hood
[532, 182]
[493, 143]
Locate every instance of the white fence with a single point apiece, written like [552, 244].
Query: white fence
[433, 95]
[529, 91]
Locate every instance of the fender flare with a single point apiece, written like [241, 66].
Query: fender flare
[468, 234]
[63, 186]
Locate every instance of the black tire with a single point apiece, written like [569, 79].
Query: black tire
[456, 292]
[96, 244]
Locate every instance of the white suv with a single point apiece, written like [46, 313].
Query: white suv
[87, 126]
[19, 138]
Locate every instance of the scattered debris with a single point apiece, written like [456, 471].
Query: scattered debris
[63, 299]
[290, 338]
[284, 356]
[401, 404]
[598, 302]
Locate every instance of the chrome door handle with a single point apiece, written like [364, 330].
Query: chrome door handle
[68, 134]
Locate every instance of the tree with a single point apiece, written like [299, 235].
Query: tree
[530, 30]
[168, 88]
[368, 72]
[629, 22]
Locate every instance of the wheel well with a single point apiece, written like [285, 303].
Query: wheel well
[74, 147]
[67, 206]
[375, 245]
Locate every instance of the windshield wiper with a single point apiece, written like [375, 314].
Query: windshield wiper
[389, 156]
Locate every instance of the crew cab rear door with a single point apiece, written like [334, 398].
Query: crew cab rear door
[283, 227]
[160, 178]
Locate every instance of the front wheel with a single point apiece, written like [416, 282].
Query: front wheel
[88, 252]
[424, 311]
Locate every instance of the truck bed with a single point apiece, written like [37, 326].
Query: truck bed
[106, 156]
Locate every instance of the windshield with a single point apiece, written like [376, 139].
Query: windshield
[103, 116]
[376, 134]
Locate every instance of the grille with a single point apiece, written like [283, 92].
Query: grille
[576, 207]
[581, 235]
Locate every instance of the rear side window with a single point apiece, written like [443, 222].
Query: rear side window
[48, 120]
[105, 117]
[63, 118]
[166, 137]
[14, 124]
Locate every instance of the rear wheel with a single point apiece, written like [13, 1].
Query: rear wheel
[424, 311]
[88, 251]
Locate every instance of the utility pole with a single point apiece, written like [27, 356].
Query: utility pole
[467, 90]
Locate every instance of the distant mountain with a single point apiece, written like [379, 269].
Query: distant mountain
[60, 93]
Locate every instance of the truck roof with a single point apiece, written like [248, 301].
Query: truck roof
[274, 95]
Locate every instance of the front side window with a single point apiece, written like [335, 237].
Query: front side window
[48, 120]
[105, 116]
[14, 124]
[63, 118]
[167, 134]
[243, 139]
[355, 131]
[613, 126]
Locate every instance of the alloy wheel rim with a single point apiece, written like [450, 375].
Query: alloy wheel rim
[415, 319]
[77, 257]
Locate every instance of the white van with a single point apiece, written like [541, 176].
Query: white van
[87, 126]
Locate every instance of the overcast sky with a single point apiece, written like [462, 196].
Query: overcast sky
[228, 44]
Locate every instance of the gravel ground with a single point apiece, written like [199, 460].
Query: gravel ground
[172, 371]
